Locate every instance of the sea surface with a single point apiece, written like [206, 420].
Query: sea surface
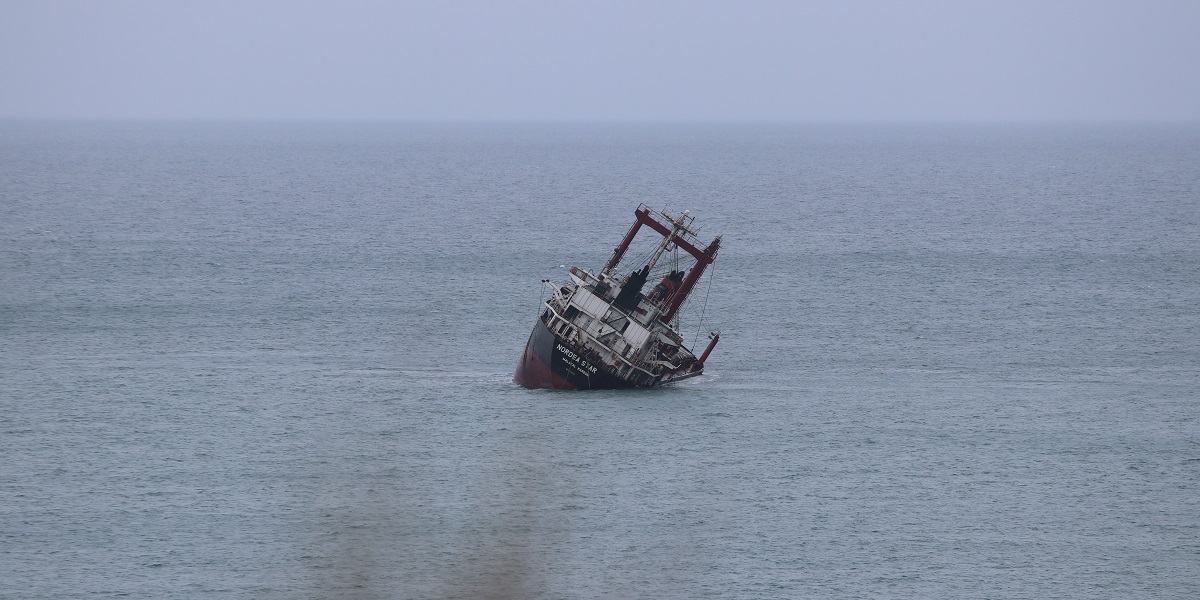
[274, 360]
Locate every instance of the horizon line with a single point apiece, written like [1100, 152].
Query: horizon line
[604, 121]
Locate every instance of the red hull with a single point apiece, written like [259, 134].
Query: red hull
[533, 372]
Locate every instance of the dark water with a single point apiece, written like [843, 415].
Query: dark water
[273, 361]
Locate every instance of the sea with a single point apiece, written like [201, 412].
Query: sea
[273, 360]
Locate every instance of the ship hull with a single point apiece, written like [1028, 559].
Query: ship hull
[555, 364]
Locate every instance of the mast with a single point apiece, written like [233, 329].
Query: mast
[677, 234]
[671, 234]
[642, 215]
[680, 242]
[678, 226]
[714, 338]
[703, 259]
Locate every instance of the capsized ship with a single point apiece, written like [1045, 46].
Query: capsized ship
[604, 331]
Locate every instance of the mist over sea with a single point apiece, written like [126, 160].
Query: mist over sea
[273, 360]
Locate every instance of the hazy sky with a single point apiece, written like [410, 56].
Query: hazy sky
[602, 59]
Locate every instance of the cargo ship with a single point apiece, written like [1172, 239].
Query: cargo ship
[606, 331]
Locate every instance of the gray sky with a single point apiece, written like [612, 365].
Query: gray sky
[602, 60]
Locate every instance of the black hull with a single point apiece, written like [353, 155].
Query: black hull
[556, 364]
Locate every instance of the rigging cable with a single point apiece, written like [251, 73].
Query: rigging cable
[699, 325]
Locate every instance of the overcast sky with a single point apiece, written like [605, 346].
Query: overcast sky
[847, 60]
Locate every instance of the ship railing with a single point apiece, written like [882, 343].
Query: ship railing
[642, 366]
[588, 278]
[584, 275]
[665, 365]
[555, 312]
[556, 293]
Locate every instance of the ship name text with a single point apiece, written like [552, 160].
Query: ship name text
[575, 358]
